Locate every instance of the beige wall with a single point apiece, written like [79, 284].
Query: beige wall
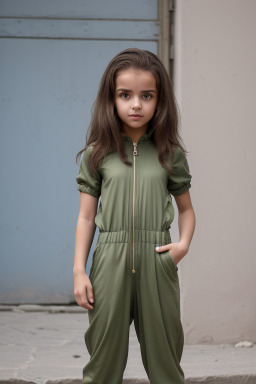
[215, 64]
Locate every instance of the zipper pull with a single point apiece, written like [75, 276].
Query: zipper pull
[135, 152]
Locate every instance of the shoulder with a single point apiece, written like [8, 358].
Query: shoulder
[179, 163]
[89, 148]
[87, 152]
[177, 154]
[177, 151]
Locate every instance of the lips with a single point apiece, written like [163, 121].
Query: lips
[135, 115]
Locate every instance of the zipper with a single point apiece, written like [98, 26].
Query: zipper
[135, 153]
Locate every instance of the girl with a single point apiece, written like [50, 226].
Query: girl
[134, 161]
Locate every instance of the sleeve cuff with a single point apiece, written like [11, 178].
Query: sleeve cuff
[181, 190]
[87, 189]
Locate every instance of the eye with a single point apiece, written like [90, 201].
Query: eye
[147, 96]
[124, 95]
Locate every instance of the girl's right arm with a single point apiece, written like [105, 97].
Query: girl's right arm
[85, 231]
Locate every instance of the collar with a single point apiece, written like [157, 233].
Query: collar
[147, 136]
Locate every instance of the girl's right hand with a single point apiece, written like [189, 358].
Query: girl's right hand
[83, 290]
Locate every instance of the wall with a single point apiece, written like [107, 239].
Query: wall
[215, 83]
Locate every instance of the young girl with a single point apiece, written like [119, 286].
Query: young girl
[134, 161]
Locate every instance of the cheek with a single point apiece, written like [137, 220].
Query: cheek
[116, 105]
[152, 108]
[119, 108]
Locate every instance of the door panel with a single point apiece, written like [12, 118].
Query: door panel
[48, 86]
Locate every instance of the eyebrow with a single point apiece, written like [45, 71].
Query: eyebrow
[128, 90]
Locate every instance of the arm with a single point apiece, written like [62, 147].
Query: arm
[84, 236]
[186, 222]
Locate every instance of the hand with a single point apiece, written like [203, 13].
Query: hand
[83, 290]
[177, 250]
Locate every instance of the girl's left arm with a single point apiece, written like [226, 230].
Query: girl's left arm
[186, 222]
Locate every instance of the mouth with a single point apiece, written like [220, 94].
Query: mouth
[135, 115]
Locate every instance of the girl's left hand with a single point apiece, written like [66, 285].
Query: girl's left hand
[177, 250]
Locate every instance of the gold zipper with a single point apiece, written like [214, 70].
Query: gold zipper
[135, 153]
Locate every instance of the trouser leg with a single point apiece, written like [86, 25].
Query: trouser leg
[157, 316]
[107, 337]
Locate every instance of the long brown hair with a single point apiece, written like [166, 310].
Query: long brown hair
[104, 131]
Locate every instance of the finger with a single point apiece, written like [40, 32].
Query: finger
[90, 294]
[163, 248]
[77, 297]
[78, 300]
[85, 304]
[87, 299]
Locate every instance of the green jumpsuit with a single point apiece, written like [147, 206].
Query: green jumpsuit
[131, 280]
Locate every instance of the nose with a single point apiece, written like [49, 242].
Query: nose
[136, 104]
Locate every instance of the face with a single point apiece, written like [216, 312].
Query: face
[135, 99]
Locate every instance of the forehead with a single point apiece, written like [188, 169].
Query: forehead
[135, 80]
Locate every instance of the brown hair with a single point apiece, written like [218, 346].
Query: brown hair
[105, 128]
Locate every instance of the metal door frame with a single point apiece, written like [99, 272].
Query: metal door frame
[166, 32]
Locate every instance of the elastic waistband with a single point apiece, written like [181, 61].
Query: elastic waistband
[140, 235]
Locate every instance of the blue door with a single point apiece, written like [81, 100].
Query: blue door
[52, 58]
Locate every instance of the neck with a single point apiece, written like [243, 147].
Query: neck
[134, 135]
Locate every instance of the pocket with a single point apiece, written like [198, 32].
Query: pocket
[172, 261]
[94, 260]
[168, 264]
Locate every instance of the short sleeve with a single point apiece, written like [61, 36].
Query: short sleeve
[86, 182]
[179, 180]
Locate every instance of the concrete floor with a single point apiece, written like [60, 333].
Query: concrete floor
[44, 344]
